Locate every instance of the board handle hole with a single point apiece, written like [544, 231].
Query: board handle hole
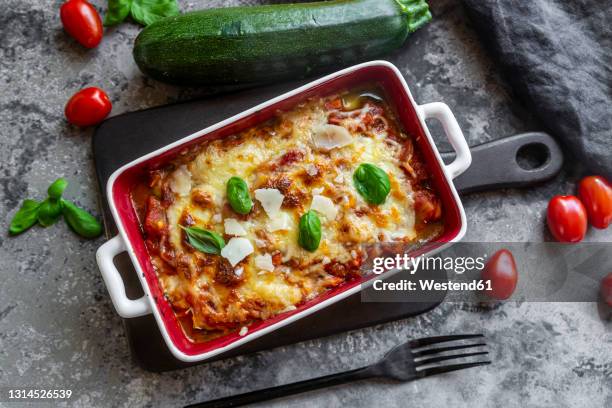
[532, 156]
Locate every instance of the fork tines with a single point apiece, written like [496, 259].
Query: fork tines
[428, 341]
[430, 356]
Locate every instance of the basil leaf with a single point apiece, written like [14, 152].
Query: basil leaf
[25, 217]
[56, 189]
[147, 12]
[204, 240]
[372, 183]
[117, 11]
[238, 195]
[81, 222]
[309, 231]
[49, 212]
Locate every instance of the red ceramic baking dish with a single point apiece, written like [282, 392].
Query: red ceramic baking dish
[411, 116]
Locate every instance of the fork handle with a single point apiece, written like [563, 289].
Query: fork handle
[288, 389]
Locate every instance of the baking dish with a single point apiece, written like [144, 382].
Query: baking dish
[412, 118]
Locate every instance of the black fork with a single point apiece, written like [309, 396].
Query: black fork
[406, 362]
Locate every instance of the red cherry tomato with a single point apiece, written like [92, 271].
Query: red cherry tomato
[88, 107]
[82, 22]
[606, 289]
[596, 195]
[501, 271]
[567, 218]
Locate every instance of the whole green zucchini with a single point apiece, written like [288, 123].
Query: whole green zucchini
[261, 44]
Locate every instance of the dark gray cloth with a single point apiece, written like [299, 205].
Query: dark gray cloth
[557, 55]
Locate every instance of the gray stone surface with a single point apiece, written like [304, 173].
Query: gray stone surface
[58, 328]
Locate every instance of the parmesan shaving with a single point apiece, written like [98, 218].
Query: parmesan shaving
[236, 250]
[264, 262]
[271, 200]
[233, 227]
[325, 206]
[328, 137]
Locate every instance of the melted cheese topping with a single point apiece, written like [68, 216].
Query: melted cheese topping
[284, 155]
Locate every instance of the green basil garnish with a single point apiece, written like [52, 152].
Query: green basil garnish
[204, 240]
[56, 189]
[309, 231]
[147, 12]
[25, 217]
[82, 222]
[117, 11]
[49, 212]
[238, 195]
[372, 183]
[144, 12]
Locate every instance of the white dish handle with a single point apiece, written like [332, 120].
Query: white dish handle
[126, 307]
[442, 113]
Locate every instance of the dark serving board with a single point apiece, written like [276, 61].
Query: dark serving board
[126, 137]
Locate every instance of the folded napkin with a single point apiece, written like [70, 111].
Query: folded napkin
[557, 55]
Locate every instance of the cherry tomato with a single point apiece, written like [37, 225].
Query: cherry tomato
[82, 22]
[501, 271]
[596, 194]
[606, 289]
[567, 218]
[88, 107]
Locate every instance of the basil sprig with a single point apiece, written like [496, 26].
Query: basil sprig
[56, 189]
[25, 217]
[118, 10]
[81, 222]
[238, 195]
[144, 12]
[309, 236]
[204, 240]
[372, 183]
[50, 210]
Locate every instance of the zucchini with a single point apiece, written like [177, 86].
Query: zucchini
[266, 43]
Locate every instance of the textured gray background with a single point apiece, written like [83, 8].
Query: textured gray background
[58, 328]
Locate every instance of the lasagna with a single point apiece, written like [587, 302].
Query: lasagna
[249, 226]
